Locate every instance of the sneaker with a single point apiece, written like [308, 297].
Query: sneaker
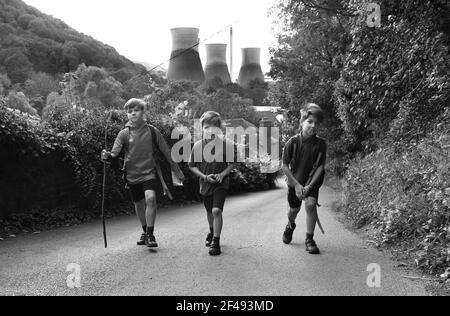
[288, 232]
[151, 242]
[215, 249]
[311, 247]
[209, 240]
[143, 240]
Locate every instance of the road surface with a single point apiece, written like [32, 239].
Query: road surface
[255, 262]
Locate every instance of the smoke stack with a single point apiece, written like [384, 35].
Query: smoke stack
[216, 63]
[251, 67]
[185, 61]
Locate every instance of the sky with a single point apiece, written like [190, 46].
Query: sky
[140, 29]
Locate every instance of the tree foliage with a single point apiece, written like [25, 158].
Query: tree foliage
[396, 78]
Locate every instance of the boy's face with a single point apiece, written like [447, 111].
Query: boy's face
[135, 114]
[310, 125]
[210, 131]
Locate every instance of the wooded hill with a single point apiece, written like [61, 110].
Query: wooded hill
[31, 41]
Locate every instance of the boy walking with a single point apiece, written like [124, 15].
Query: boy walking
[304, 165]
[140, 166]
[213, 174]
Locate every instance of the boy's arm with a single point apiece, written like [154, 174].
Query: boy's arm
[287, 171]
[115, 151]
[118, 145]
[320, 170]
[287, 157]
[197, 172]
[317, 175]
[193, 166]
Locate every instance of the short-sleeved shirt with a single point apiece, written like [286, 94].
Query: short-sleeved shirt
[307, 155]
[208, 165]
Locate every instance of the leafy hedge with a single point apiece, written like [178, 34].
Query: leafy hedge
[34, 159]
[404, 191]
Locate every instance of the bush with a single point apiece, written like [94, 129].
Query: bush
[404, 191]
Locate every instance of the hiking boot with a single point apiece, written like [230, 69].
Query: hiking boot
[143, 240]
[311, 247]
[215, 249]
[151, 242]
[288, 232]
[209, 240]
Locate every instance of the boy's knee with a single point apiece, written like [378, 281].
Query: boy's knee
[311, 205]
[217, 212]
[150, 197]
[294, 210]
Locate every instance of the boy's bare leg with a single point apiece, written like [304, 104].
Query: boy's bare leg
[292, 214]
[151, 207]
[290, 227]
[311, 215]
[218, 222]
[311, 220]
[210, 217]
[140, 212]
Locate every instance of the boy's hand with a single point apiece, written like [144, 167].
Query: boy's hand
[306, 190]
[211, 178]
[220, 177]
[105, 155]
[299, 191]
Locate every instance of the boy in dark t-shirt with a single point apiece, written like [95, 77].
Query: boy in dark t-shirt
[213, 169]
[304, 159]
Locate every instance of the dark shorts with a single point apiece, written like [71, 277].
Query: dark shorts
[216, 200]
[295, 202]
[138, 190]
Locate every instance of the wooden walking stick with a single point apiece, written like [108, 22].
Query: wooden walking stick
[104, 183]
[311, 176]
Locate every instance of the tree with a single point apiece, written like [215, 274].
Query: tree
[56, 105]
[40, 85]
[24, 21]
[5, 84]
[308, 59]
[18, 67]
[18, 100]
[138, 86]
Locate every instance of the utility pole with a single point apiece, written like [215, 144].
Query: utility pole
[231, 53]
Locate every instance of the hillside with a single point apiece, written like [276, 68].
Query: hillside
[31, 41]
[153, 67]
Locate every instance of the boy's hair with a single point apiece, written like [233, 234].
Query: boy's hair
[211, 118]
[311, 109]
[133, 103]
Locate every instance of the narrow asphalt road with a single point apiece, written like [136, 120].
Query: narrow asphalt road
[255, 262]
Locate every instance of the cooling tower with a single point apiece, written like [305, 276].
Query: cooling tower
[185, 61]
[251, 67]
[216, 63]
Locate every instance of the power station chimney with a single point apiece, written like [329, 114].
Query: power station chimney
[251, 67]
[185, 61]
[216, 63]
